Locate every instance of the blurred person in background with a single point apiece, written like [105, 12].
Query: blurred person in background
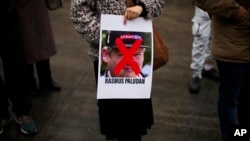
[202, 64]
[231, 49]
[13, 83]
[39, 44]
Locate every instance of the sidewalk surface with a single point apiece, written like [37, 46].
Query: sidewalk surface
[71, 115]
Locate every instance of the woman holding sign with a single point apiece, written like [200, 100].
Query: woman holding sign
[122, 119]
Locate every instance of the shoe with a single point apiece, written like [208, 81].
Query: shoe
[52, 86]
[211, 74]
[3, 123]
[28, 125]
[195, 84]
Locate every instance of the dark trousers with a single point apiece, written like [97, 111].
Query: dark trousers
[13, 83]
[43, 73]
[234, 96]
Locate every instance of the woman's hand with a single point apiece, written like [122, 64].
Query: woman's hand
[132, 13]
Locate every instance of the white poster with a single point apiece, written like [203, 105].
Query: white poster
[125, 58]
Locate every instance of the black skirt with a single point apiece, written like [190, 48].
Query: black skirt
[124, 117]
[121, 117]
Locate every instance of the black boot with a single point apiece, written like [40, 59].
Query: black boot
[46, 83]
[194, 85]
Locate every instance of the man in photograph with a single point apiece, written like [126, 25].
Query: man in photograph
[124, 54]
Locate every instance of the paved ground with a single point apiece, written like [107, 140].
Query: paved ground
[71, 115]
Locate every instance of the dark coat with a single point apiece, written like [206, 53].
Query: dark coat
[36, 30]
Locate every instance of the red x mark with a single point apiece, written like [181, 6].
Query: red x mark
[127, 56]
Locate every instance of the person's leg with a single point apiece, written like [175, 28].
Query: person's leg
[43, 72]
[201, 33]
[4, 104]
[31, 77]
[232, 78]
[44, 76]
[244, 100]
[209, 70]
[32, 80]
[198, 51]
[16, 78]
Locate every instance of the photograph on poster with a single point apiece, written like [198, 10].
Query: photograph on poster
[125, 61]
[125, 53]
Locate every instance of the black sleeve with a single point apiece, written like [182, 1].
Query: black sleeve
[144, 11]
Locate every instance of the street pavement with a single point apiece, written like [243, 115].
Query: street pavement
[72, 114]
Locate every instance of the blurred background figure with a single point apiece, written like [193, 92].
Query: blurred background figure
[13, 73]
[38, 42]
[231, 49]
[202, 63]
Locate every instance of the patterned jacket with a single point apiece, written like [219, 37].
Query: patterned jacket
[85, 14]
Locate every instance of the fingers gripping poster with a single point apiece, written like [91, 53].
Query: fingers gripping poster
[125, 58]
